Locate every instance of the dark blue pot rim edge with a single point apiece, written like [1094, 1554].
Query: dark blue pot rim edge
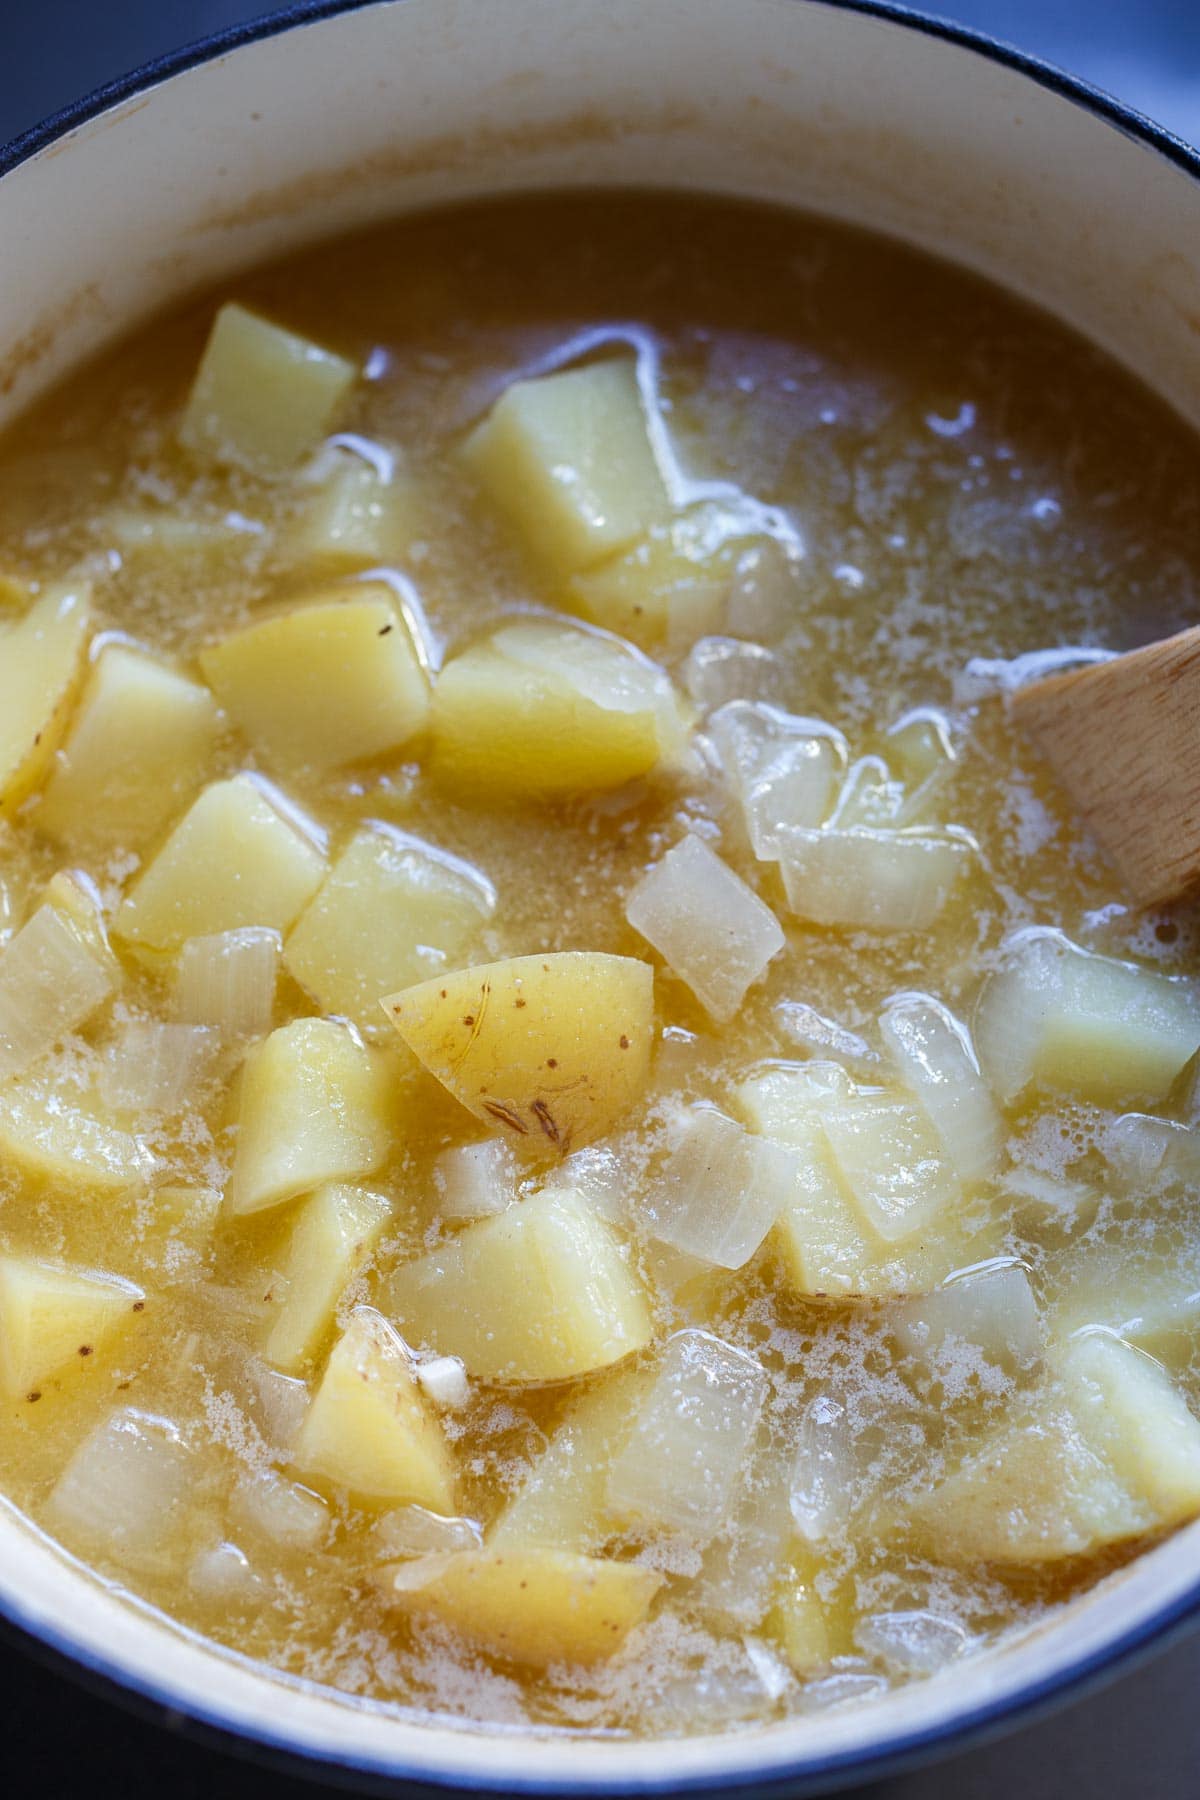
[903, 1750]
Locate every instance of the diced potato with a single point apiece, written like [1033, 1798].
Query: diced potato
[356, 518]
[368, 1428]
[568, 459]
[542, 1292]
[672, 586]
[316, 1106]
[563, 1501]
[59, 1138]
[235, 859]
[391, 910]
[136, 715]
[534, 1607]
[262, 396]
[541, 708]
[1108, 1452]
[54, 974]
[799, 1625]
[333, 1233]
[712, 930]
[687, 1448]
[337, 680]
[125, 1490]
[781, 769]
[554, 1049]
[891, 1163]
[1064, 1018]
[474, 1181]
[822, 1240]
[151, 1067]
[871, 880]
[933, 1056]
[227, 981]
[41, 665]
[991, 1309]
[166, 532]
[720, 1190]
[53, 1318]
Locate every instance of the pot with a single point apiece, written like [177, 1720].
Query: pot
[334, 114]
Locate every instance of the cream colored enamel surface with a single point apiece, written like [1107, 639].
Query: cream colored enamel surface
[424, 100]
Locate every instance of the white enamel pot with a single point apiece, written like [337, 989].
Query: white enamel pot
[336, 114]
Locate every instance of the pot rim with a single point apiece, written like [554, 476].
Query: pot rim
[900, 1750]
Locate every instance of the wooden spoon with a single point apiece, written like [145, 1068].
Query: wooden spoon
[1123, 736]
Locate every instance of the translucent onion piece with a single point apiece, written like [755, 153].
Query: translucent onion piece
[125, 1489]
[223, 1576]
[1144, 1149]
[53, 976]
[991, 1309]
[765, 594]
[228, 981]
[1060, 1016]
[686, 1454]
[277, 1403]
[869, 796]
[890, 1160]
[824, 1470]
[712, 930]
[472, 1181]
[743, 1563]
[444, 1379]
[720, 669]
[932, 1054]
[818, 1036]
[152, 1067]
[911, 1643]
[415, 1531]
[720, 1191]
[596, 1175]
[780, 769]
[873, 880]
[290, 1516]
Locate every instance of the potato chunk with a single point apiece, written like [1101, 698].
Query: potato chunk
[671, 587]
[262, 396]
[541, 709]
[64, 1138]
[41, 664]
[553, 1049]
[55, 972]
[568, 459]
[234, 859]
[136, 715]
[53, 1318]
[337, 680]
[368, 1429]
[356, 518]
[316, 1106]
[390, 909]
[542, 1292]
[533, 1607]
[334, 1232]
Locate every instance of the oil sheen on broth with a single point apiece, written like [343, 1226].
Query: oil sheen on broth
[785, 1280]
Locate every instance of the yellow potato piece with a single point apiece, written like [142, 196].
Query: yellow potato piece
[316, 1106]
[368, 1427]
[533, 1607]
[672, 586]
[334, 1232]
[236, 858]
[541, 1292]
[53, 1318]
[390, 909]
[337, 680]
[53, 1137]
[553, 1050]
[262, 396]
[568, 459]
[136, 715]
[541, 709]
[41, 665]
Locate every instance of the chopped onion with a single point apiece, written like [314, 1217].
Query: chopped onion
[289, 1515]
[125, 1488]
[820, 1037]
[765, 599]
[991, 1308]
[412, 1531]
[743, 1563]
[444, 1379]
[721, 1189]
[824, 1470]
[891, 1162]
[223, 1576]
[720, 669]
[911, 1643]
[152, 1067]
[781, 769]
[596, 1175]
[869, 796]
[876, 880]
[680, 1467]
[53, 976]
[473, 1181]
[919, 744]
[228, 981]
[711, 929]
[277, 1403]
[1143, 1148]
[932, 1054]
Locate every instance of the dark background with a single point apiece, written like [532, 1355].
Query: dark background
[1138, 1739]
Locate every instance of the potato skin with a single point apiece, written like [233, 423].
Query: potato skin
[549, 1050]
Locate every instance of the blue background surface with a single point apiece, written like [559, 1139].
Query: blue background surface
[1138, 1739]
